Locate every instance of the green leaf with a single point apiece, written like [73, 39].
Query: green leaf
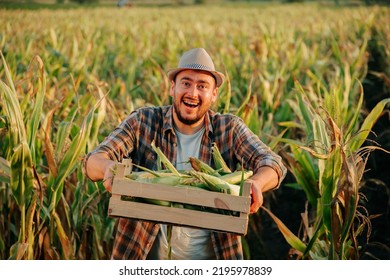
[290, 237]
[22, 175]
[358, 140]
[35, 117]
[5, 170]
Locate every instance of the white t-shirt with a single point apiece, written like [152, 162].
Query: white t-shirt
[186, 243]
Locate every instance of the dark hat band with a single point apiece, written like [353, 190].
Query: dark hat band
[197, 66]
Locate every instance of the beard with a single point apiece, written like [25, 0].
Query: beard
[187, 116]
[186, 120]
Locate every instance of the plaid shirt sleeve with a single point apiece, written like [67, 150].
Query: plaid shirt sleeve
[120, 142]
[238, 144]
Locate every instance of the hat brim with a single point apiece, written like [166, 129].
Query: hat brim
[219, 77]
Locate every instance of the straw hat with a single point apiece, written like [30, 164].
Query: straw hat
[197, 59]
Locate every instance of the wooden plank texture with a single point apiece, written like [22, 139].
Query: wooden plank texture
[182, 194]
[177, 216]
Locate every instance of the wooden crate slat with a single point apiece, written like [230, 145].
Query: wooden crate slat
[182, 194]
[246, 192]
[179, 216]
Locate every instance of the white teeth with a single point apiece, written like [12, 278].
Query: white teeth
[191, 103]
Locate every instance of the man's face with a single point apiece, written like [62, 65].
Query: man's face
[193, 94]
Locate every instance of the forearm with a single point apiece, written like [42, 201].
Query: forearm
[258, 157]
[266, 177]
[115, 146]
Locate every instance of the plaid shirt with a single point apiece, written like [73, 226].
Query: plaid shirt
[133, 138]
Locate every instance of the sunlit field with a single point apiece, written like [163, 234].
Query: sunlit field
[312, 81]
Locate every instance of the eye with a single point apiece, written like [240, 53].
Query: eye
[185, 84]
[202, 87]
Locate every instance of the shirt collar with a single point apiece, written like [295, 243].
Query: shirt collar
[168, 120]
[208, 126]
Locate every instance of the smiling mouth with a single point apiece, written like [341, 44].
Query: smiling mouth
[191, 103]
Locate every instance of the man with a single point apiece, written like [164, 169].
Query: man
[187, 128]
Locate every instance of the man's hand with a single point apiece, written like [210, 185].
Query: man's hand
[109, 176]
[263, 180]
[100, 167]
[256, 195]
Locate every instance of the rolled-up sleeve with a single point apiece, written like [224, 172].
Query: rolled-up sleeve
[254, 153]
[120, 142]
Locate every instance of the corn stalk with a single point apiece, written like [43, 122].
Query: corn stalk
[21, 156]
[330, 170]
[37, 214]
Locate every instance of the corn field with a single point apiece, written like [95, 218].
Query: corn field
[311, 81]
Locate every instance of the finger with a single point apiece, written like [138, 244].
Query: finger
[257, 200]
[254, 208]
[254, 204]
[107, 183]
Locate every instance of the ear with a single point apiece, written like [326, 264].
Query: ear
[172, 88]
[214, 95]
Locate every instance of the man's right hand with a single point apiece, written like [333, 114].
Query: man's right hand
[101, 167]
[109, 177]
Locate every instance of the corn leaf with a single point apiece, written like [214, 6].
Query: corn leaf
[35, 117]
[5, 170]
[290, 237]
[71, 158]
[365, 129]
[64, 240]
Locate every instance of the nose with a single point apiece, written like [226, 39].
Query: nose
[193, 92]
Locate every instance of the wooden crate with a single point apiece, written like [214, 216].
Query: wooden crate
[181, 194]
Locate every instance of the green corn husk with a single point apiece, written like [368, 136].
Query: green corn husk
[216, 184]
[147, 200]
[157, 202]
[237, 177]
[163, 178]
[219, 162]
[200, 166]
[165, 160]
[171, 180]
[135, 176]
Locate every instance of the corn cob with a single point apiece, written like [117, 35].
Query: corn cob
[236, 177]
[200, 166]
[157, 202]
[219, 162]
[145, 174]
[165, 160]
[171, 180]
[159, 173]
[216, 184]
